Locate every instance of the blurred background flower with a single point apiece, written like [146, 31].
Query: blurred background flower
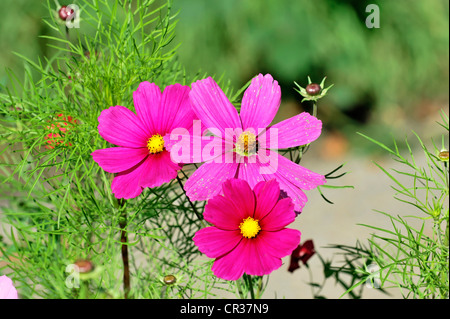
[302, 253]
[384, 77]
[7, 289]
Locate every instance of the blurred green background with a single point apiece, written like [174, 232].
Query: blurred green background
[386, 80]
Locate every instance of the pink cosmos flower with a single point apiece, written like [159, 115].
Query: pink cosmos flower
[7, 289]
[141, 159]
[248, 233]
[247, 144]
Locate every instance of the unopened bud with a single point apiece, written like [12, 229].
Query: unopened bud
[64, 13]
[84, 266]
[313, 89]
[443, 156]
[170, 279]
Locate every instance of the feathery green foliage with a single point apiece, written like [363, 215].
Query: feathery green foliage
[60, 204]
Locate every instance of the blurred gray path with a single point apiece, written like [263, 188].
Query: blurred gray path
[329, 224]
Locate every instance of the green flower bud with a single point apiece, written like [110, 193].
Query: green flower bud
[313, 91]
[443, 155]
[436, 213]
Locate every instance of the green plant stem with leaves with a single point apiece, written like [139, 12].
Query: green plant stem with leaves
[414, 258]
[60, 203]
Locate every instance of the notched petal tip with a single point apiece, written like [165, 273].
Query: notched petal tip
[145, 85]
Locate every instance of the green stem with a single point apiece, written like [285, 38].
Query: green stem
[260, 288]
[68, 40]
[304, 148]
[446, 176]
[248, 280]
[314, 109]
[84, 290]
[239, 288]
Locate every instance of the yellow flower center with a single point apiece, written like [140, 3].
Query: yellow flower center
[155, 144]
[246, 144]
[249, 227]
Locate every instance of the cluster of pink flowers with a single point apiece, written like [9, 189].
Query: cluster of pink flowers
[253, 192]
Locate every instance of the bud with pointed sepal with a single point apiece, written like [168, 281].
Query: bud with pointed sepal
[313, 91]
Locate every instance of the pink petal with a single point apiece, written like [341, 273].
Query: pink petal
[279, 243]
[147, 101]
[291, 177]
[267, 196]
[212, 106]
[280, 216]
[231, 266]
[194, 146]
[7, 289]
[158, 169]
[119, 159]
[153, 171]
[207, 180]
[249, 171]
[241, 195]
[249, 256]
[119, 126]
[298, 130]
[298, 197]
[176, 110]
[298, 175]
[222, 213]
[259, 261]
[260, 102]
[126, 184]
[214, 242]
[218, 150]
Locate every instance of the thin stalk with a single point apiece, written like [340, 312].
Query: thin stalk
[124, 248]
[314, 109]
[190, 203]
[68, 39]
[437, 222]
[446, 176]
[304, 148]
[315, 293]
